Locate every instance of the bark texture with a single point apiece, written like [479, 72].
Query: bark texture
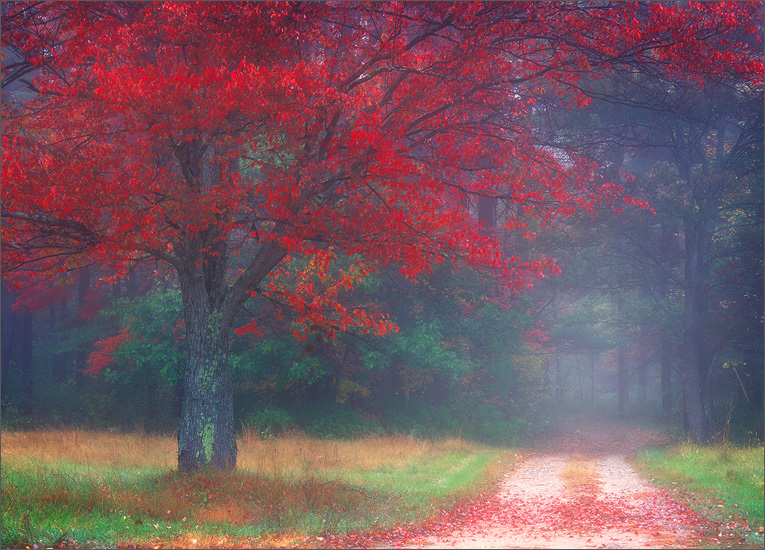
[206, 436]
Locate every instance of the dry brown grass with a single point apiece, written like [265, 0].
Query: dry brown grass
[580, 475]
[292, 455]
[274, 476]
[282, 486]
[86, 447]
[298, 454]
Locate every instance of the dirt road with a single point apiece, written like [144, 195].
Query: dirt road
[576, 490]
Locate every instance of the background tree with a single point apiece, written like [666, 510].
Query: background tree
[635, 121]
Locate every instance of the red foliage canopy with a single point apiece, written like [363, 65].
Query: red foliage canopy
[210, 134]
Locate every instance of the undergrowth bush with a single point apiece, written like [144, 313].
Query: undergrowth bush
[270, 422]
[418, 418]
[739, 423]
[332, 420]
[486, 424]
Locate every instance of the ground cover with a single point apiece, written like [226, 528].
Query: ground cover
[580, 487]
[75, 488]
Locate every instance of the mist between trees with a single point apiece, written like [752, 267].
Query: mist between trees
[431, 218]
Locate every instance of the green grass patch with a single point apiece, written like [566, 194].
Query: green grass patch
[296, 488]
[416, 490]
[723, 483]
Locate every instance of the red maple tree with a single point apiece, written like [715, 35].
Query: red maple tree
[198, 134]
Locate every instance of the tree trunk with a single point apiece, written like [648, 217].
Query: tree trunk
[666, 374]
[81, 357]
[206, 436]
[559, 395]
[27, 380]
[7, 328]
[622, 380]
[753, 378]
[642, 382]
[668, 245]
[487, 212]
[696, 353]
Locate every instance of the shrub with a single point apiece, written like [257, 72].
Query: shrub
[332, 420]
[486, 424]
[418, 418]
[270, 422]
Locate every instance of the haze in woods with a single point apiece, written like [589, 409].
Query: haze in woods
[433, 219]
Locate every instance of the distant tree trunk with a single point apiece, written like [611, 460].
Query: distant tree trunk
[622, 379]
[27, 378]
[150, 397]
[59, 367]
[548, 383]
[753, 378]
[8, 329]
[622, 382]
[439, 389]
[699, 230]
[643, 360]
[81, 356]
[642, 382]
[668, 242]
[666, 374]
[487, 211]
[559, 381]
[695, 349]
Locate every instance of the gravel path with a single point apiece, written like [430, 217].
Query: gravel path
[577, 491]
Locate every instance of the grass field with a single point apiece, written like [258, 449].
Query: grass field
[722, 482]
[96, 489]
